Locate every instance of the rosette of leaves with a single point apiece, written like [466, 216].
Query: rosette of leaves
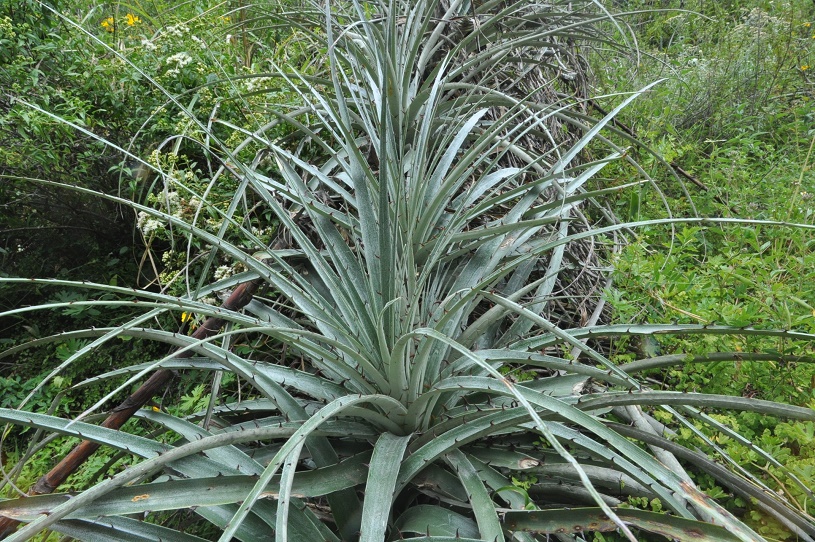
[425, 239]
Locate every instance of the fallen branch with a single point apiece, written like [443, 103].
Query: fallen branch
[49, 482]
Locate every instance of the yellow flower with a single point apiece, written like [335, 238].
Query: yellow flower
[188, 317]
[108, 24]
[132, 20]
[225, 18]
[805, 67]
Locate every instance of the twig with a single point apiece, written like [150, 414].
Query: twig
[690, 177]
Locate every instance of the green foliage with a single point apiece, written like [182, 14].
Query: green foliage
[735, 112]
[64, 77]
[733, 69]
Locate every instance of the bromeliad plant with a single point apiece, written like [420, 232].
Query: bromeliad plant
[430, 217]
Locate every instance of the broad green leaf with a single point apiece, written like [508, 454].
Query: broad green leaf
[483, 506]
[770, 408]
[191, 493]
[435, 520]
[586, 520]
[120, 530]
[384, 469]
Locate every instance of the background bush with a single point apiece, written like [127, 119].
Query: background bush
[735, 112]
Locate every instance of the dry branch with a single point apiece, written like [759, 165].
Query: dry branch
[49, 482]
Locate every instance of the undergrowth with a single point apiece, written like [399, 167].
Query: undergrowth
[734, 117]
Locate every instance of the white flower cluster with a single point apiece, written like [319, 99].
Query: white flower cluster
[177, 30]
[171, 198]
[148, 45]
[255, 83]
[179, 60]
[223, 272]
[199, 41]
[147, 224]
[172, 202]
[259, 232]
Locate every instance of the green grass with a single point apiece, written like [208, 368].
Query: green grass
[736, 113]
